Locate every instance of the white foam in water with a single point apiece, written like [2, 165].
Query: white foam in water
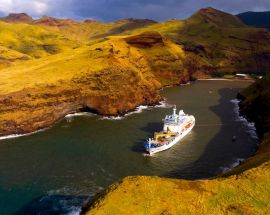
[215, 79]
[69, 117]
[71, 206]
[79, 114]
[251, 129]
[188, 83]
[235, 163]
[250, 125]
[72, 210]
[75, 211]
[112, 118]
[139, 109]
[12, 136]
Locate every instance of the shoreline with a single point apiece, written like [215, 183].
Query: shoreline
[228, 190]
[116, 116]
[137, 109]
[226, 79]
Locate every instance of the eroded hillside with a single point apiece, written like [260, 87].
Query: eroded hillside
[51, 67]
[111, 77]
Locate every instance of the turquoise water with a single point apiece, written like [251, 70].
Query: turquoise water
[54, 171]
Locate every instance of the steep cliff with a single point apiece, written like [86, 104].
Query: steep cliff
[110, 78]
[50, 67]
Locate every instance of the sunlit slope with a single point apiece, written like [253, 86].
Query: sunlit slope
[32, 40]
[9, 56]
[246, 193]
[218, 42]
[90, 29]
[48, 36]
[110, 77]
[79, 30]
[60, 63]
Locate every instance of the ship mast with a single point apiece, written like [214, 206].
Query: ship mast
[174, 110]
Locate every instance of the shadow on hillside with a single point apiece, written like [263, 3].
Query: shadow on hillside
[53, 205]
[216, 154]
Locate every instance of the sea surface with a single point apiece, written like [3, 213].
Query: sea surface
[56, 170]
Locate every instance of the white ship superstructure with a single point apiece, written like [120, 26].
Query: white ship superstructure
[176, 126]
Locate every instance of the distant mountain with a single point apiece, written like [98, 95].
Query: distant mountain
[256, 19]
[51, 21]
[218, 18]
[17, 17]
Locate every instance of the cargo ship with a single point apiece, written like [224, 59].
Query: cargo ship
[175, 127]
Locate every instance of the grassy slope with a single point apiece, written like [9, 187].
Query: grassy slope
[72, 66]
[243, 190]
[21, 42]
[91, 30]
[94, 76]
[219, 42]
[215, 41]
[51, 67]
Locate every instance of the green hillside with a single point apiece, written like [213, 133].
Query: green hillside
[32, 40]
[218, 42]
[50, 67]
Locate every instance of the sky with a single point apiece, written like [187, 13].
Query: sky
[110, 10]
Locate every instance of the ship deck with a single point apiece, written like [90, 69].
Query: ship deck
[162, 141]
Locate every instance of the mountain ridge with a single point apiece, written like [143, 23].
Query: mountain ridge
[59, 67]
[256, 19]
[63, 56]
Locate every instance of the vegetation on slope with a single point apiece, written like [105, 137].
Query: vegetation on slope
[244, 190]
[219, 43]
[256, 104]
[51, 67]
[110, 77]
[32, 40]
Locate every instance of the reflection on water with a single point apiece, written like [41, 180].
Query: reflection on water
[57, 169]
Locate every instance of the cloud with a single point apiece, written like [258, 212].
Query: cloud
[108, 10]
[34, 7]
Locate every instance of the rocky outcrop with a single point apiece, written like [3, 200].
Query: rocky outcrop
[146, 39]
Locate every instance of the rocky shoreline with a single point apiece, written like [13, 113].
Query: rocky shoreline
[76, 104]
[197, 196]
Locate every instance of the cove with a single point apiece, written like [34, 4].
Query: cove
[56, 170]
